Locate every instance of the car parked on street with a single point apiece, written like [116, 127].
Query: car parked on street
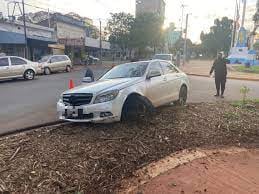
[55, 63]
[166, 57]
[17, 67]
[126, 91]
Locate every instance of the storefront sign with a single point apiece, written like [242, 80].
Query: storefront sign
[72, 42]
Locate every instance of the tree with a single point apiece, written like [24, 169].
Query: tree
[147, 32]
[219, 37]
[119, 28]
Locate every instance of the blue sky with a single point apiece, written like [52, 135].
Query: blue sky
[203, 12]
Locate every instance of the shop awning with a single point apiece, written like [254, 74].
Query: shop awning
[11, 38]
[45, 39]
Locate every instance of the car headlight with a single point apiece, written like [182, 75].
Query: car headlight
[106, 96]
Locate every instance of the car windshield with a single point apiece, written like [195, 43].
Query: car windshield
[44, 59]
[127, 70]
[163, 57]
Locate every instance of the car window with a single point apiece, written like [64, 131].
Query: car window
[55, 59]
[17, 61]
[128, 70]
[4, 62]
[168, 68]
[156, 66]
[63, 58]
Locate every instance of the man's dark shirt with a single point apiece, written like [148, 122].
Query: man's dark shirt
[220, 68]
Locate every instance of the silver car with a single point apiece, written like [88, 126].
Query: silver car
[55, 63]
[18, 67]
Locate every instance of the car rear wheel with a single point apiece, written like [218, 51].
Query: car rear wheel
[68, 69]
[47, 71]
[182, 96]
[136, 107]
[29, 74]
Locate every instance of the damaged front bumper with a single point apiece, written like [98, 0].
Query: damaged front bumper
[97, 113]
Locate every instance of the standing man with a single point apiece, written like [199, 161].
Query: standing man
[220, 69]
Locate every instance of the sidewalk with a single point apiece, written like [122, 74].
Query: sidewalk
[202, 68]
[219, 173]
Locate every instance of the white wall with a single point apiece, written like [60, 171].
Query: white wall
[69, 31]
[91, 42]
[32, 30]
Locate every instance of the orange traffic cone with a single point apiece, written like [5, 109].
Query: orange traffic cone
[71, 84]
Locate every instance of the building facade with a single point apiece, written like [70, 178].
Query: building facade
[12, 39]
[150, 6]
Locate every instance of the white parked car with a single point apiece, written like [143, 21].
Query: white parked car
[18, 67]
[124, 92]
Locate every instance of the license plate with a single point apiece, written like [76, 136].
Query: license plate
[74, 113]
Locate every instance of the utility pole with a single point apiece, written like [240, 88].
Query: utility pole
[244, 13]
[48, 18]
[25, 30]
[182, 6]
[101, 49]
[185, 40]
[234, 25]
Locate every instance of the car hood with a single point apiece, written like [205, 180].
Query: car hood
[101, 86]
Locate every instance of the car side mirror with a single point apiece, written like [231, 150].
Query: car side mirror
[87, 80]
[153, 73]
[50, 61]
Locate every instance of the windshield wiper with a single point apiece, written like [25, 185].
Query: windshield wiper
[117, 77]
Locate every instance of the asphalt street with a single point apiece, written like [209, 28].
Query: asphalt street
[28, 103]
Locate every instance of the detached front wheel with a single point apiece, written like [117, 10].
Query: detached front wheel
[182, 96]
[136, 107]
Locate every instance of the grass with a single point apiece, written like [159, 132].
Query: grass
[252, 69]
[239, 103]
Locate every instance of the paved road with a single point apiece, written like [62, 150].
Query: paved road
[28, 103]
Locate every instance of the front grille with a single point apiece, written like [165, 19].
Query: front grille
[77, 99]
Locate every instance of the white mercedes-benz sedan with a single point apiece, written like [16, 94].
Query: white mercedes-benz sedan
[125, 92]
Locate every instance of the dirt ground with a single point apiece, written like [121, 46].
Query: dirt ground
[233, 172]
[90, 158]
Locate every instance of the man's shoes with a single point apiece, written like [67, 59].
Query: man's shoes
[216, 95]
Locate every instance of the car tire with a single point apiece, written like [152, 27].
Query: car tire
[47, 71]
[136, 107]
[68, 69]
[183, 94]
[29, 74]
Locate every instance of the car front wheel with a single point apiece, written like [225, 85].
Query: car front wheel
[136, 107]
[68, 69]
[47, 71]
[29, 74]
[182, 96]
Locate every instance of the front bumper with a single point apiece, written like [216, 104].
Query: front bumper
[90, 112]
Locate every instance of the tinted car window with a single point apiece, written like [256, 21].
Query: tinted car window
[4, 62]
[168, 68]
[17, 61]
[156, 66]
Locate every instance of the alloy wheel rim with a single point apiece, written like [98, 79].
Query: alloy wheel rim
[29, 75]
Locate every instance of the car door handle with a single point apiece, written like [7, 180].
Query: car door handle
[164, 79]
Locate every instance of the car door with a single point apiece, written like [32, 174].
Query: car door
[156, 88]
[4, 67]
[17, 67]
[64, 62]
[54, 63]
[173, 78]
